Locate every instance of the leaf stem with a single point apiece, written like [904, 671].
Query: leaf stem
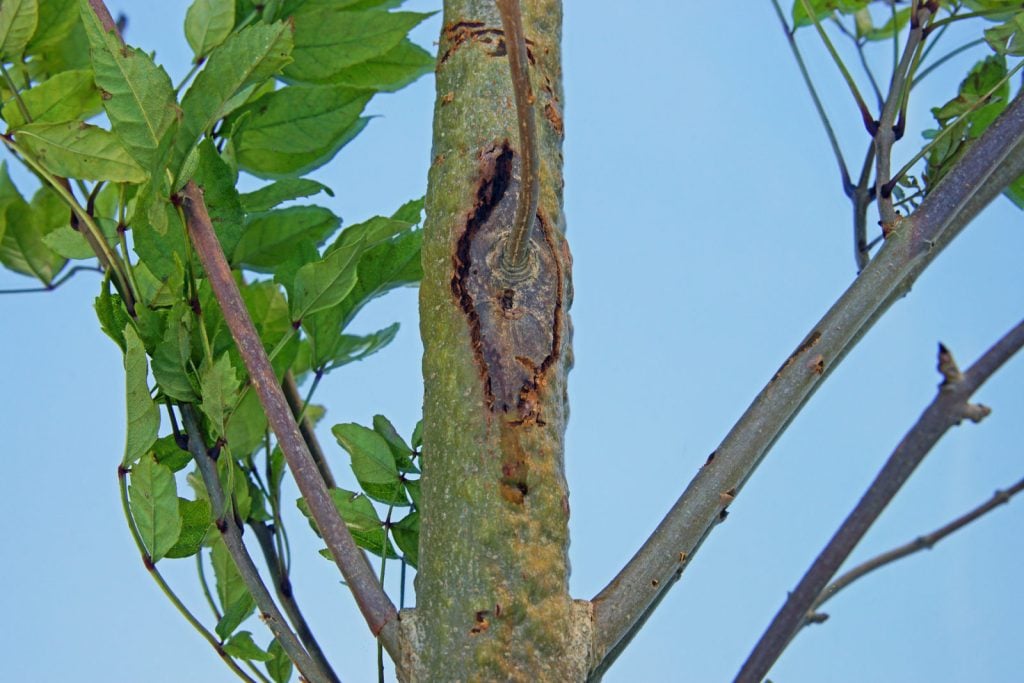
[25, 114]
[166, 589]
[514, 259]
[850, 83]
[948, 409]
[818, 107]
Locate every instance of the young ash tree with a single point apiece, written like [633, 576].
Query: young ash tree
[224, 302]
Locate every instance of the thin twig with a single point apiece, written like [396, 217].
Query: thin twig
[863, 195]
[865, 113]
[55, 284]
[377, 608]
[231, 533]
[948, 409]
[147, 561]
[925, 542]
[517, 248]
[995, 160]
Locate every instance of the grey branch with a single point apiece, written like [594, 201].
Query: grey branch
[991, 163]
[949, 409]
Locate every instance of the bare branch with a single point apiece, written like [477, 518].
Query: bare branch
[987, 167]
[231, 533]
[948, 409]
[377, 608]
[926, 542]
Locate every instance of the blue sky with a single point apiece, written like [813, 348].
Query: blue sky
[709, 233]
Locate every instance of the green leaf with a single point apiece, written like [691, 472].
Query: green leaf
[273, 237]
[208, 23]
[324, 283]
[890, 28]
[18, 21]
[222, 202]
[963, 124]
[143, 415]
[412, 487]
[80, 150]
[393, 70]
[112, 315]
[406, 533]
[219, 386]
[172, 359]
[26, 227]
[159, 240]
[57, 20]
[247, 426]
[399, 449]
[68, 96]
[138, 95]
[69, 243]
[279, 666]
[246, 59]
[373, 463]
[236, 602]
[21, 245]
[1007, 38]
[391, 264]
[153, 499]
[167, 452]
[241, 645]
[823, 9]
[196, 520]
[360, 518]
[330, 350]
[268, 197]
[417, 435]
[329, 40]
[297, 129]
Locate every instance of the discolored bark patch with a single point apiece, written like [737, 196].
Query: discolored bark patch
[514, 320]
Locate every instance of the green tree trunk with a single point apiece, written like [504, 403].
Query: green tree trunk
[492, 588]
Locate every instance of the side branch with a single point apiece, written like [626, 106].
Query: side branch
[948, 409]
[991, 163]
[925, 542]
[231, 532]
[377, 608]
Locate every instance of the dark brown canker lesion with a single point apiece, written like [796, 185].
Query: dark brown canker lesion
[456, 34]
[515, 322]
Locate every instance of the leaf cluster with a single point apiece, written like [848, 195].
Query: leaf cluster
[276, 90]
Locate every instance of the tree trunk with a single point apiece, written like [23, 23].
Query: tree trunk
[492, 589]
